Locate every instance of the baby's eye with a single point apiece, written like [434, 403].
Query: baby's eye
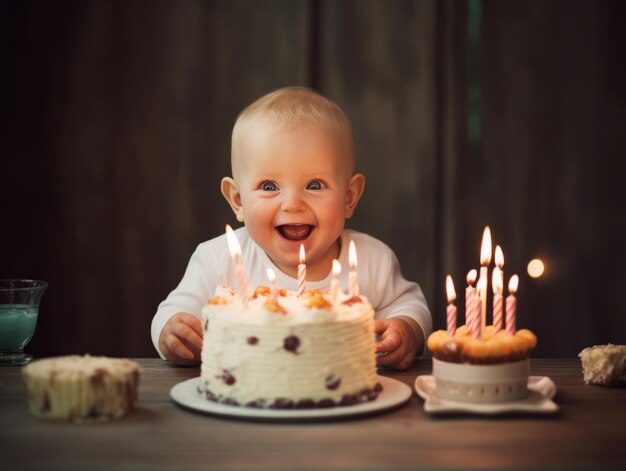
[268, 186]
[314, 185]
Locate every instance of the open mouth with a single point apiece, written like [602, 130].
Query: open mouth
[295, 232]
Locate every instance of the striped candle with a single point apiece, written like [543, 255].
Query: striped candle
[511, 304]
[497, 299]
[235, 252]
[301, 272]
[353, 283]
[451, 309]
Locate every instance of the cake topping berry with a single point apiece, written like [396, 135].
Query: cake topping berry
[291, 343]
[252, 340]
[228, 378]
[332, 381]
[352, 300]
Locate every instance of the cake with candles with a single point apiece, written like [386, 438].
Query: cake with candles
[477, 362]
[282, 350]
[279, 349]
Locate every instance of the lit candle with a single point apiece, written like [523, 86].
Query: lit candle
[274, 289]
[353, 283]
[485, 260]
[301, 271]
[451, 308]
[497, 299]
[511, 303]
[470, 298]
[499, 259]
[235, 252]
[476, 326]
[334, 282]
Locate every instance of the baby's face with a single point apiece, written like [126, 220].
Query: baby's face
[293, 186]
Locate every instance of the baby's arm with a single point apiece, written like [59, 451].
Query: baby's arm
[181, 339]
[400, 340]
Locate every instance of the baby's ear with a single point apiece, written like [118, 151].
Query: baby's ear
[232, 195]
[356, 185]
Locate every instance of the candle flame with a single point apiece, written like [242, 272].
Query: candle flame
[485, 248]
[271, 275]
[302, 254]
[471, 276]
[513, 284]
[336, 267]
[450, 289]
[499, 257]
[496, 278]
[233, 243]
[352, 255]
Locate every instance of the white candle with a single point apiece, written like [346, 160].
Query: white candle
[301, 271]
[273, 289]
[511, 304]
[334, 282]
[353, 283]
[485, 260]
[235, 252]
[451, 308]
[497, 300]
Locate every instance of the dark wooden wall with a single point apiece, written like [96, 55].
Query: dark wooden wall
[116, 119]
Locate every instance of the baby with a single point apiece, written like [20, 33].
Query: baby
[293, 183]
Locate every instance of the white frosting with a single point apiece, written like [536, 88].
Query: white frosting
[335, 356]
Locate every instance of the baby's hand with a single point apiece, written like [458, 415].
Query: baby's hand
[397, 342]
[181, 339]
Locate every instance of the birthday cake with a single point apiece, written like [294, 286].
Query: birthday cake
[279, 350]
[477, 362]
[81, 387]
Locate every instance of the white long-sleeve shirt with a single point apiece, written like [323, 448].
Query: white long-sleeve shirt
[379, 278]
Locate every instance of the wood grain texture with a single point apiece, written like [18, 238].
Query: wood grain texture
[586, 433]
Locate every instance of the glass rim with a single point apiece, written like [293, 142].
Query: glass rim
[29, 284]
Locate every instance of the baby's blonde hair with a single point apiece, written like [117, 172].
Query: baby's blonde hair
[288, 107]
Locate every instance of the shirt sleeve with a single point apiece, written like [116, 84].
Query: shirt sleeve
[196, 286]
[401, 297]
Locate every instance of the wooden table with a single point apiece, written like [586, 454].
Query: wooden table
[588, 431]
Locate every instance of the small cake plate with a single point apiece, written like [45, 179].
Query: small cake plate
[394, 394]
[539, 401]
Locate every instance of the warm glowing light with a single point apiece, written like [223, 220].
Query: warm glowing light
[336, 267]
[513, 284]
[301, 253]
[450, 289]
[271, 275]
[352, 255]
[485, 248]
[496, 281]
[499, 257]
[471, 276]
[233, 243]
[535, 268]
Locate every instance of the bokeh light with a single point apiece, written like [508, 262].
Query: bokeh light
[535, 268]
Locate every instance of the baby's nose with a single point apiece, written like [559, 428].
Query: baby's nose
[292, 202]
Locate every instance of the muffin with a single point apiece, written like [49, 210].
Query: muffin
[78, 388]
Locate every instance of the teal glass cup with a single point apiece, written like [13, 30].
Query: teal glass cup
[19, 309]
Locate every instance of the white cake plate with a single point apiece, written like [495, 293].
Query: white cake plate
[394, 394]
[539, 401]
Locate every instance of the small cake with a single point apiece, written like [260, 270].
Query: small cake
[81, 387]
[285, 351]
[491, 368]
[604, 365]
